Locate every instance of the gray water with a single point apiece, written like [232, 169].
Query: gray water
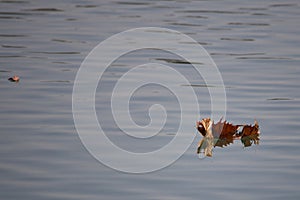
[255, 45]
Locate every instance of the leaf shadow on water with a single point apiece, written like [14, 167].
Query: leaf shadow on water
[223, 134]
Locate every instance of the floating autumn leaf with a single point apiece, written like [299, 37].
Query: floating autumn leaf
[224, 141]
[225, 128]
[206, 146]
[249, 140]
[207, 143]
[250, 134]
[224, 133]
[204, 126]
[250, 130]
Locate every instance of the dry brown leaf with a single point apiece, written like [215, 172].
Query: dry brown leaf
[224, 133]
[224, 129]
[250, 134]
[204, 126]
[250, 130]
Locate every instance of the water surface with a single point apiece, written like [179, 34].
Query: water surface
[255, 45]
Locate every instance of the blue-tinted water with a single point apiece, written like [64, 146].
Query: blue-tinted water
[255, 46]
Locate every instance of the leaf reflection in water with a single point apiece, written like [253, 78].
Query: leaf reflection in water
[223, 134]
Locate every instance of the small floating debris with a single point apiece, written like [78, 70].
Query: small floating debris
[223, 134]
[280, 99]
[56, 81]
[176, 61]
[14, 79]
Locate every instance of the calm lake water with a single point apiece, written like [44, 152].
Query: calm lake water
[255, 44]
